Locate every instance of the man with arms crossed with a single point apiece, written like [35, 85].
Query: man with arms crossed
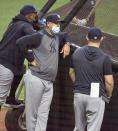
[91, 73]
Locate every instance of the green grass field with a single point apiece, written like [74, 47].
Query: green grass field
[10, 8]
[106, 14]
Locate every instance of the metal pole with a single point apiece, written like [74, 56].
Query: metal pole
[46, 7]
[74, 11]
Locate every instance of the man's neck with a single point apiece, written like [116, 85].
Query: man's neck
[97, 44]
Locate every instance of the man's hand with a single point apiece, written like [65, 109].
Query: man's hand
[65, 50]
[33, 63]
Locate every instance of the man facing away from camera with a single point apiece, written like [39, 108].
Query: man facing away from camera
[91, 73]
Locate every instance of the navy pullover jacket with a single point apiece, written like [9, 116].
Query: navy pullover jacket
[10, 55]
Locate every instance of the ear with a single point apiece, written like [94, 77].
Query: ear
[102, 38]
[87, 38]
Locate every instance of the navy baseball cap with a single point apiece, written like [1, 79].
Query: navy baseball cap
[94, 33]
[28, 9]
[53, 18]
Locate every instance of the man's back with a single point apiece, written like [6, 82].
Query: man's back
[89, 63]
[91, 73]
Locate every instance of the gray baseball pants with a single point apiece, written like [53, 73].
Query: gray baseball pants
[39, 95]
[89, 112]
[6, 78]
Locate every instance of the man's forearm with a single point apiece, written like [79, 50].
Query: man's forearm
[28, 42]
[72, 74]
[109, 88]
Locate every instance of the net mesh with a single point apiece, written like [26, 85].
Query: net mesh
[61, 116]
[105, 15]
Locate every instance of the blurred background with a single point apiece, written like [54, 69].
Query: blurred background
[106, 16]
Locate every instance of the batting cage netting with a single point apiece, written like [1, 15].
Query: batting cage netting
[61, 117]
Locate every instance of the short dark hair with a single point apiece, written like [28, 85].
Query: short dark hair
[95, 41]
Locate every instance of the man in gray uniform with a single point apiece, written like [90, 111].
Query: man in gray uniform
[91, 73]
[42, 72]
